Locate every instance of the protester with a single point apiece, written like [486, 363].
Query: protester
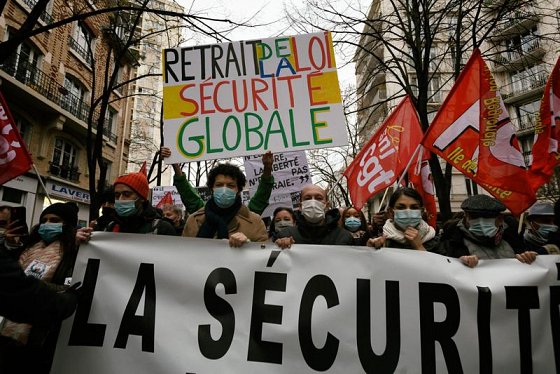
[483, 234]
[27, 299]
[224, 216]
[355, 222]
[50, 255]
[174, 214]
[540, 232]
[14, 231]
[281, 218]
[133, 211]
[107, 210]
[193, 202]
[405, 227]
[315, 223]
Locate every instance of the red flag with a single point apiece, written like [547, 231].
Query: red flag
[14, 158]
[420, 176]
[545, 154]
[473, 132]
[386, 155]
[167, 199]
[143, 169]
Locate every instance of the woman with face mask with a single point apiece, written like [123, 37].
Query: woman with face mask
[49, 255]
[405, 227]
[224, 216]
[281, 219]
[483, 233]
[354, 221]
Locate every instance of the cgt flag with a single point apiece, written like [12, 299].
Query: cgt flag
[420, 176]
[545, 156]
[386, 155]
[14, 158]
[473, 132]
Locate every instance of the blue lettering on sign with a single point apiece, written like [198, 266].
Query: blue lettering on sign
[77, 195]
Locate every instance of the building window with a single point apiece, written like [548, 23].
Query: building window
[525, 115]
[109, 129]
[24, 128]
[75, 99]
[81, 42]
[64, 160]
[24, 63]
[472, 188]
[11, 195]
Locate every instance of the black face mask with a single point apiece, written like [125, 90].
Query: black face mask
[108, 211]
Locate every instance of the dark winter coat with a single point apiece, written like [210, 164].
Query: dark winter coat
[327, 233]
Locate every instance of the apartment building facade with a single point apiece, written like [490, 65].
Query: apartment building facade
[159, 32]
[49, 82]
[521, 51]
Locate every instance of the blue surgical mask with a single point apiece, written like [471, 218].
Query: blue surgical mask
[408, 217]
[352, 223]
[483, 227]
[224, 197]
[50, 231]
[545, 230]
[125, 208]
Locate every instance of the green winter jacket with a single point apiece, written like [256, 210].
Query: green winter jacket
[193, 202]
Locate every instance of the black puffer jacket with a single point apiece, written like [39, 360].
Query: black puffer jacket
[328, 233]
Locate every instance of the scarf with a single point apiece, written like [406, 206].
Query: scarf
[390, 231]
[217, 219]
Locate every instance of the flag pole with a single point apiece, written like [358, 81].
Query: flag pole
[335, 184]
[42, 184]
[382, 200]
[409, 163]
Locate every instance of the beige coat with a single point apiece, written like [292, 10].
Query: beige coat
[245, 221]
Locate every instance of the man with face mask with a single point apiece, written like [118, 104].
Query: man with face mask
[541, 233]
[224, 216]
[133, 211]
[316, 223]
[483, 234]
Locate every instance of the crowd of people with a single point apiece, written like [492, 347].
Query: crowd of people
[36, 267]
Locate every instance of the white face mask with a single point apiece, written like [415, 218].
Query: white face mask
[313, 210]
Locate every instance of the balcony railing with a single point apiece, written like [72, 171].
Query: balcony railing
[45, 16]
[65, 171]
[523, 15]
[80, 50]
[45, 85]
[524, 84]
[522, 50]
[108, 132]
[525, 123]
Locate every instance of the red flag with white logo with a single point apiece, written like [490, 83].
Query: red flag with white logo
[14, 158]
[386, 155]
[420, 177]
[545, 156]
[473, 132]
[167, 199]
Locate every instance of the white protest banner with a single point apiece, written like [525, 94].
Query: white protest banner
[290, 173]
[247, 97]
[159, 304]
[159, 192]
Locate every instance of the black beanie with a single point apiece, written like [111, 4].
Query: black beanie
[67, 211]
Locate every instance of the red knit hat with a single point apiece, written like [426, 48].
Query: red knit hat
[137, 181]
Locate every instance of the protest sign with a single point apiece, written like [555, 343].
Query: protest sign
[159, 192]
[244, 98]
[290, 171]
[187, 305]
